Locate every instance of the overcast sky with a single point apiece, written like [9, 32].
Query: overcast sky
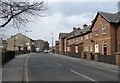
[63, 17]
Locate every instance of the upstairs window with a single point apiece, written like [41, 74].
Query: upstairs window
[86, 36]
[81, 38]
[103, 30]
[90, 35]
[96, 32]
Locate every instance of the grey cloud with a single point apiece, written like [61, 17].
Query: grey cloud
[76, 8]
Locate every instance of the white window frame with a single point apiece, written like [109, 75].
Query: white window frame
[68, 49]
[86, 48]
[90, 35]
[103, 28]
[86, 36]
[96, 49]
[76, 49]
[96, 31]
[81, 38]
[91, 48]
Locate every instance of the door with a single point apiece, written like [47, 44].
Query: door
[105, 49]
[96, 48]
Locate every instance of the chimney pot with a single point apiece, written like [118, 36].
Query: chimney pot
[74, 28]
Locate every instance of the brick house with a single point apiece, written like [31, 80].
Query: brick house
[71, 40]
[62, 43]
[80, 41]
[105, 32]
[57, 47]
[41, 44]
[19, 42]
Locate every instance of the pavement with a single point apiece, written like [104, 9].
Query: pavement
[13, 70]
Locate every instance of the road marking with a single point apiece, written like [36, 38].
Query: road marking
[82, 75]
[58, 64]
[26, 71]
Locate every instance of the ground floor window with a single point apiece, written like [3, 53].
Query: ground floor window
[86, 48]
[96, 48]
[68, 49]
[76, 49]
[90, 48]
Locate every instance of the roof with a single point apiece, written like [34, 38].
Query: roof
[81, 32]
[78, 43]
[63, 35]
[19, 34]
[71, 43]
[110, 17]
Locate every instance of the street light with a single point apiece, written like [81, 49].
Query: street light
[52, 43]
[25, 40]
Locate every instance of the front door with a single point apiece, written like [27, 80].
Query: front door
[96, 48]
[105, 49]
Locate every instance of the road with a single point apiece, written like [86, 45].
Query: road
[50, 67]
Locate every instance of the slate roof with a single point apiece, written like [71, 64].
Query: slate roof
[110, 17]
[71, 43]
[81, 32]
[63, 35]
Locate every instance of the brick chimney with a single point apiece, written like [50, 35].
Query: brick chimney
[85, 26]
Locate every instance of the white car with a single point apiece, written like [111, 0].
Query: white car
[45, 51]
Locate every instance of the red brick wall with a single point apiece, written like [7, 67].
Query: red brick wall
[118, 39]
[102, 39]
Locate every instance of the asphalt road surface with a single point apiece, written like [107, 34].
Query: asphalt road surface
[50, 67]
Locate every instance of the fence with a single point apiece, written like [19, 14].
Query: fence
[76, 55]
[107, 59]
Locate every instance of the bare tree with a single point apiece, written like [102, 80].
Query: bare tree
[19, 13]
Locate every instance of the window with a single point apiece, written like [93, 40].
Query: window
[86, 48]
[68, 48]
[90, 48]
[86, 36]
[90, 35]
[103, 30]
[96, 32]
[81, 38]
[76, 49]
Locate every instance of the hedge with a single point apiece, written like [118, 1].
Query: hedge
[7, 55]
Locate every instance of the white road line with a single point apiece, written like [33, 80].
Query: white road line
[82, 75]
[58, 64]
[26, 71]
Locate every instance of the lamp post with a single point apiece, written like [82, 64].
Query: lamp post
[25, 40]
[52, 43]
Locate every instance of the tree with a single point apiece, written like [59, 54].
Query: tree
[19, 13]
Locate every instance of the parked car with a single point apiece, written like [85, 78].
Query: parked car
[45, 51]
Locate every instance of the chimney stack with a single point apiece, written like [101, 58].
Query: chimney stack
[74, 28]
[85, 26]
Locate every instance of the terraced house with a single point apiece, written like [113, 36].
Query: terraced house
[106, 33]
[99, 41]
[62, 43]
[71, 41]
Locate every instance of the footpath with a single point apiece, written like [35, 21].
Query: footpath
[13, 70]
